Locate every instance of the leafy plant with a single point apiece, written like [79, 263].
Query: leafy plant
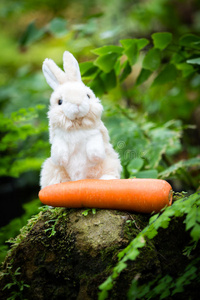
[18, 134]
[161, 61]
[187, 207]
[87, 211]
[56, 216]
[177, 56]
[165, 286]
[147, 148]
[18, 285]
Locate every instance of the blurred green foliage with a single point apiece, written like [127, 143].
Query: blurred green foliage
[18, 131]
[141, 57]
[9, 231]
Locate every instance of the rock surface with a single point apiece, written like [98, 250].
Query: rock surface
[62, 254]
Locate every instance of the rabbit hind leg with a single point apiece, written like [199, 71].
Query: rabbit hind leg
[52, 174]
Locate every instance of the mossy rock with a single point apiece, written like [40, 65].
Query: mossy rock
[62, 254]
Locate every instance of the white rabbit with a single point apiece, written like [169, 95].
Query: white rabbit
[80, 146]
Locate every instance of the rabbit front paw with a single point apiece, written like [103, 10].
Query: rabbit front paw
[64, 160]
[96, 155]
[60, 159]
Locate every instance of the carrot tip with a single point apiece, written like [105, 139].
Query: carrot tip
[170, 197]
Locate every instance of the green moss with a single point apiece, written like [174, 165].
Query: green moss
[74, 254]
[134, 224]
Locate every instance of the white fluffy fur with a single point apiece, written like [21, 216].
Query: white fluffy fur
[80, 146]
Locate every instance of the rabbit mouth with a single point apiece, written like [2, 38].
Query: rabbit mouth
[74, 112]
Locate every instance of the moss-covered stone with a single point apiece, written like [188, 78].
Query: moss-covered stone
[65, 255]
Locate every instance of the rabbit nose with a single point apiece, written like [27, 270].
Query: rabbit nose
[75, 102]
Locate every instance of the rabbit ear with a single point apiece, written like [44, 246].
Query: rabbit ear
[53, 74]
[71, 67]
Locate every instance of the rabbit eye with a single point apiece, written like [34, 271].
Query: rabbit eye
[60, 101]
[88, 96]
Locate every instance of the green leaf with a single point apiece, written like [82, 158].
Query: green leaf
[191, 218]
[103, 295]
[147, 174]
[194, 61]
[143, 76]
[195, 232]
[106, 62]
[151, 233]
[109, 80]
[168, 74]
[58, 27]
[97, 85]
[186, 69]
[161, 39]
[153, 218]
[31, 35]
[152, 60]
[192, 162]
[155, 151]
[165, 223]
[107, 285]
[139, 241]
[135, 165]
[141, 43]
[88, 69]
[126, 71]
[85, 212]
[107, 50]
[133, 254]
[17, 271]
[132, 53]
[190, 40]
[8, 285]
[118, 67]
[120, 267]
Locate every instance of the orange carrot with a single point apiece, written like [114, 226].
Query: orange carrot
[139, 195]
